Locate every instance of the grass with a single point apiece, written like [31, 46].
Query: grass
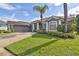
[3, 34]
[45, 45]
[6, 35]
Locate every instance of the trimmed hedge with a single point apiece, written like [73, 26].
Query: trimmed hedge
[4, 31]
[62, 35]
[41, 31]
[58, 34]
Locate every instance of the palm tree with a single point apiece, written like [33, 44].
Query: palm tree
[65, 15]
[41, 10]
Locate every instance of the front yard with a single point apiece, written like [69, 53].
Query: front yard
[45, 45]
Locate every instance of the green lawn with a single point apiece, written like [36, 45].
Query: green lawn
[3, 34]
[44, 45]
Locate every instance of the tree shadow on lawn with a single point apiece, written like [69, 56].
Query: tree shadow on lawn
[29, 51]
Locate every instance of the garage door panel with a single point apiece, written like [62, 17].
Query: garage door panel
[21, 28]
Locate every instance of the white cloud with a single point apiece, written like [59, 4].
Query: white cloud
[53, 4]
[13, 15]
[57, 4]
[74, 11]
[18, 6]
[23, 13]
[36, 18]
[47, 16]
[60, 14]
[50, 4]
[26, 14]
[7, 18]
[6, 6]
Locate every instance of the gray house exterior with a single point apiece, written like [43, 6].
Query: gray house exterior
[49, 24]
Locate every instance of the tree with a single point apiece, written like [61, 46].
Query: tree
[41, 10]
[72, 24]
[77, 20]
[65, 16]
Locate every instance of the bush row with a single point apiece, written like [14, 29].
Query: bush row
[62, 35]
[4, 31]
[58, 34]
[41, 31]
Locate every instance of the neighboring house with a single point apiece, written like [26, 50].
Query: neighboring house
[18, 26]
[49, 24]
[3, 25]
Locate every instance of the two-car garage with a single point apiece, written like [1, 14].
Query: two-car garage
[21, 28]
[18, 26]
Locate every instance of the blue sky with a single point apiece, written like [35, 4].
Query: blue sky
[25, 12]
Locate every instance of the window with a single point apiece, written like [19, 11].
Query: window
[53, 25]
[0, 25]
[35, 26]
[44, 26]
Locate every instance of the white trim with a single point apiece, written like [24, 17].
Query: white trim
[33, 27]
[46, 26]
[37, 26]
[59, 22]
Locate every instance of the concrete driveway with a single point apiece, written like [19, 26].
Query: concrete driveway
[11, 38]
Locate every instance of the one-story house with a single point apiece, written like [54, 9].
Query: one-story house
[49, 24]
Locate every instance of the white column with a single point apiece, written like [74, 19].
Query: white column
[43, 25]
[12, 26]
[8, 27]
[32, 27]
[37, 26]
[46, 26]
[59, 22]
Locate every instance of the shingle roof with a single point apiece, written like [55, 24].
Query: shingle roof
[53, 18]
[17, 23]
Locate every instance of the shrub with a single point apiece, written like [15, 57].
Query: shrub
[71, 26]
[1, 31]
[56, 33]
[62, 35]
[60, 28]
[50, 33]
[65, 35]
[4, 31]
[41, 31]
[69, 35]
